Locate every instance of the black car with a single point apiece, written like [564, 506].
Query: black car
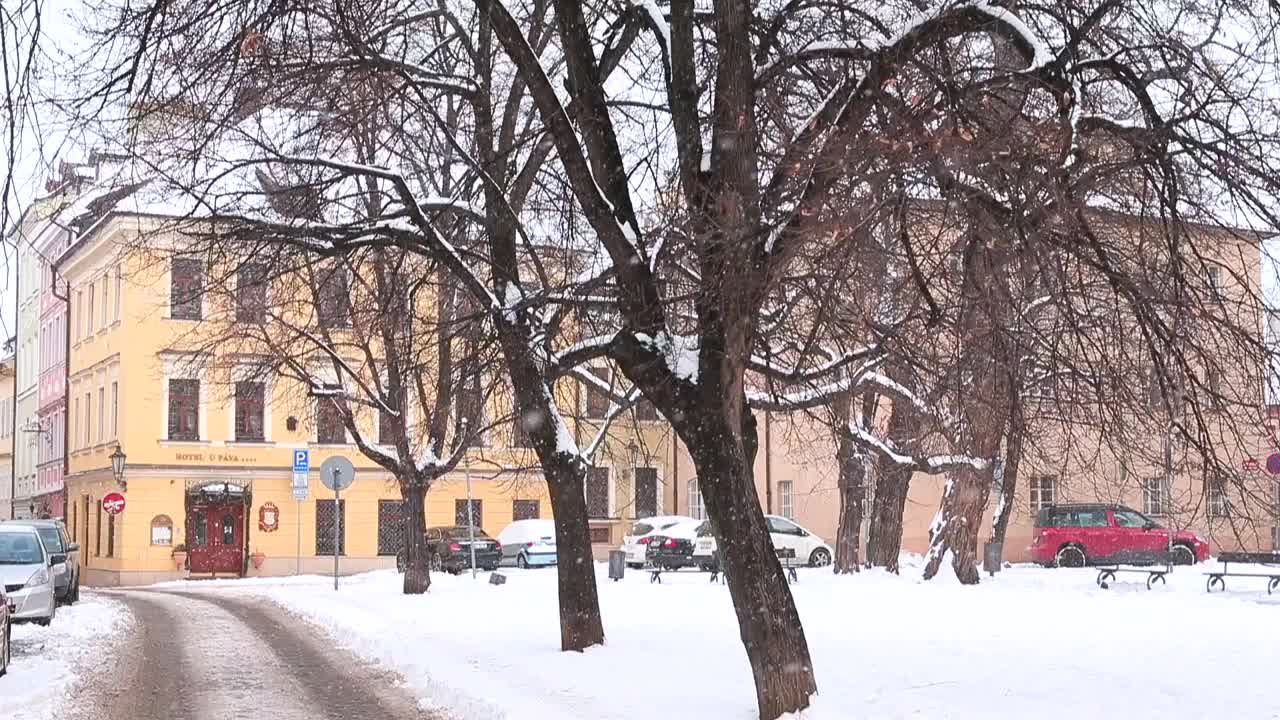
[671, 551]
[449, 549]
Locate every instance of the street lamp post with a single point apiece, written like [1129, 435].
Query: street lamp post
[117, 468]
[633, 454]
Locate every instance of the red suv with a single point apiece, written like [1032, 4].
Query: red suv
[1079, 535]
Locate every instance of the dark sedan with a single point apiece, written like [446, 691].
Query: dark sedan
[672, 547]
[449, 549]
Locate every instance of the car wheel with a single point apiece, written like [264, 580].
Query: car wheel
[1070, 556]
[4, 651]
[1183, 555]
[522, 562]
[437, 563]
[820, 558]
[74, 596]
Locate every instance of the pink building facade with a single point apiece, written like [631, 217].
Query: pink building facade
[52, 409]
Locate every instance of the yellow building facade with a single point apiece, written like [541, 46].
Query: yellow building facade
[146, 382]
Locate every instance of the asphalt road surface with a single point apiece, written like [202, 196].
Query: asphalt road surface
[213, 656]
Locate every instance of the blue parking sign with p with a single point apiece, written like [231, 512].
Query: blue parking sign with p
[301, 461]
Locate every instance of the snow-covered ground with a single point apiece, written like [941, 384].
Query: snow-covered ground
[48, 662]
[1030, 643]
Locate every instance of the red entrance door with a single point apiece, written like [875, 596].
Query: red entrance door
[215, 538]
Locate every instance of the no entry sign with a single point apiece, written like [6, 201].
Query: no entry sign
[113, 503]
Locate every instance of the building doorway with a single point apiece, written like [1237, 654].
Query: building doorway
[216, 528]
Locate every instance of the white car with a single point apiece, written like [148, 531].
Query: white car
[531, 542]
[26, 572]
[636, 542]
[785, 534]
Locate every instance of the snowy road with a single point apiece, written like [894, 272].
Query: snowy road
[209, 656]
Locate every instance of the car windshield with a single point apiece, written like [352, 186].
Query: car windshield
[19, 549]
[641, 528]
[52, 539]
[462, 533]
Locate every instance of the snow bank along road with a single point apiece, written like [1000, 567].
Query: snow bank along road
[209, 656]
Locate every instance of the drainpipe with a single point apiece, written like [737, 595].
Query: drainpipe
[768, 463]
[675, 473]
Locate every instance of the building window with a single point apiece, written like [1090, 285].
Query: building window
[645, 411]
[597, 492]
[1275, 538]
[524, 510]
[88, 321]
[184, 409]
[471, 407]
[697, 510]
[115, 409]
[646, 491]
[600, 535]
[249, 411]
[97, 532]
[1154, 500]
[462, 518]
[75, 424]
[390, 526]
[785, 507]
[1044, 491]
[119, 289]
[332, 308]
[105, 306]
[325, 520]
[1213, 280]
[597, 400]
[79, 314]
[1219, 505]
[520, 427]
[186, 289]
[88, 419]
[386, 427]
[102, 414]
[329, 427]
[161, 530]
[251, 293]
[111, 535]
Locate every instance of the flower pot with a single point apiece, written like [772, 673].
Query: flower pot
[180, 559]
[257, 559]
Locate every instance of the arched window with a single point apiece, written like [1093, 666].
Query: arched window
[228, 529]
[161, 530]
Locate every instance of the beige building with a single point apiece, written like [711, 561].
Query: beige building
[7, 411]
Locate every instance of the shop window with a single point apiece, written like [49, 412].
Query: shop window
[161, 530]
[390, 526]
[597, 492]
[325, 519]
[646, 488]
[524, 510]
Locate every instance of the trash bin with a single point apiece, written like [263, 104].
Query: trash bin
[992, 553]
[617, 564]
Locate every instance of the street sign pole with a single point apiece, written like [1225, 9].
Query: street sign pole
[471, 514]
[337, 523]
[298, 567]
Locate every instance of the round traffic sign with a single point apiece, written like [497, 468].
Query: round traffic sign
[113, 503]
[337, 473]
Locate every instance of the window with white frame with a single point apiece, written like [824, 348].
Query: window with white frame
[785, 507]
[1219, 503]
[105, 306]
[1044, 491]
[88, 419]
[115, 409]
[102, 414]
[119, 289]
[1154, 498]
[88, 322]
[696, 509]
[1275, 538]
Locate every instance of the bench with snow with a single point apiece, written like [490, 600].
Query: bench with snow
[1107, 573]
[1252, 558]
[786, 557]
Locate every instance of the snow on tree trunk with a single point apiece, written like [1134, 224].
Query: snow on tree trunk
[768, 621]
[417, 575]
[955, 527]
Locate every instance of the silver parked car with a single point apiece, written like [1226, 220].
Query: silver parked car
[6, 631]
[66, 573]
[26, 569]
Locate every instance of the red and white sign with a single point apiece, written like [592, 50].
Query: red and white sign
[113, 503]
[268, 517]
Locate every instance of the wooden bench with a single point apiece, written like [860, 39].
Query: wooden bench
[786, 557]
[1216, 579]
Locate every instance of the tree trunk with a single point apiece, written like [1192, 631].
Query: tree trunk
[580, 624]
[955, 527]
[1009, 479]
[768, 621]
[853, 467]
[417, 575]
[889, 503]
[884, 539]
